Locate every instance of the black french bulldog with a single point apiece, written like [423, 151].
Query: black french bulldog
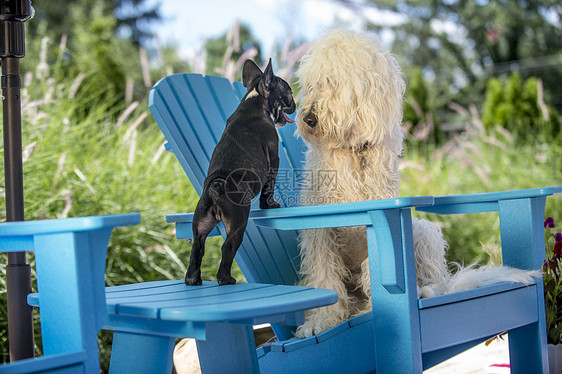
[244, 162]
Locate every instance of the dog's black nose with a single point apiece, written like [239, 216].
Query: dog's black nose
[311, 120]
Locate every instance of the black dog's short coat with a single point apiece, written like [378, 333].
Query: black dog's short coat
[244, 163]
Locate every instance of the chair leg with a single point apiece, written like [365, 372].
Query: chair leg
[228, 346]
[395, 318]
[525, 350]
[521, 227]
[136, 353]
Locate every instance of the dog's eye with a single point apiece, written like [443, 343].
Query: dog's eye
[311, 120]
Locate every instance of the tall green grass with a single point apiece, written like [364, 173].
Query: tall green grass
[85, 157]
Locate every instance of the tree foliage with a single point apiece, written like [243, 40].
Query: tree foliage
[96, 42]
[132, 17]
[460, 44]
[419, 114]
[106, 58]
[519, 106]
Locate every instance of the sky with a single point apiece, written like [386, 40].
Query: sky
[187, 23]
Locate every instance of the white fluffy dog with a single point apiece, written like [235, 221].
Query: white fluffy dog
[350, 116]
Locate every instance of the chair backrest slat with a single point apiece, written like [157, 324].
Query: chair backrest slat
[167, 108]
[294, 146]
[207, 104]
[240, 89]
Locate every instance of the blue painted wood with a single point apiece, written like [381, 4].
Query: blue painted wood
[349, 352]
[316, 216]
[294, 146]
[223, 94]
[396, 316]
[239, 89]
[65, 363]
[360, 319]
[489, 304]
[149, 316]
[70, 265]
[12, 230]
[386, 225]
[72, 271]
[481, 317]
[468, 294]
[522, 238]
[243, 301]
[160, 304]
[329, 334]
[156, 327]
[293, 344]
[209, 108]
[483, 202]
[176, 140]
[228, 348]
[141, 353]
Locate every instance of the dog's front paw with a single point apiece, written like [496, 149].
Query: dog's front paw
[310, 328]
[193, 279]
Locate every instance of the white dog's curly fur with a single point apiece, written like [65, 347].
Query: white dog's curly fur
[350, 116]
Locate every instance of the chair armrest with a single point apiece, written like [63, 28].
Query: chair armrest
[18, 236]
[72, 362]
[521, 214]
[70, 257]
[483, 202]
[311, 217]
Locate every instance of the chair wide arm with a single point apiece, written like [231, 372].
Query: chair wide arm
[484, 202]
[70, 257]
[311, 217]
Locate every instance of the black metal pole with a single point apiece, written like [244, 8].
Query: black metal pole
[13, 13]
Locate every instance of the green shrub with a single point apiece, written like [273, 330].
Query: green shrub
[521, 108]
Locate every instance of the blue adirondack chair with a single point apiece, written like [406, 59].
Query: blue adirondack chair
[146, 317]
[70, 264]
[404, 335]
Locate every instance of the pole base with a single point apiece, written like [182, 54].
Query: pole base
[20, 316]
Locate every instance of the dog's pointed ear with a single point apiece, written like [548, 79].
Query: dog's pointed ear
[265, 82]
[250, 72]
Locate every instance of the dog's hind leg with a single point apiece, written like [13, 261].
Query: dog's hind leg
[235, 224]
[204, 221]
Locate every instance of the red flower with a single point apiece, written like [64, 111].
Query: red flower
[558, 249]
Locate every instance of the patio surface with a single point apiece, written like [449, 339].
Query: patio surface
[477, 360]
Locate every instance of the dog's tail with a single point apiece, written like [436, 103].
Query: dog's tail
[470, 277]
[434, 276]
[216, 189]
